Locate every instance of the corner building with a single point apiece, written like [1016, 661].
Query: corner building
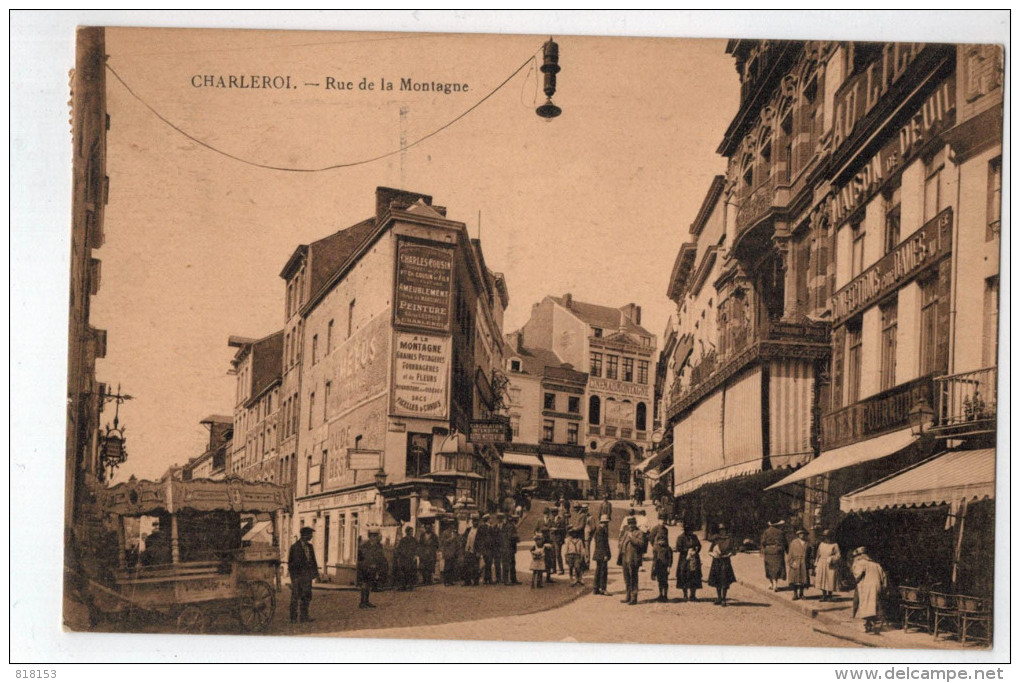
[395, 337]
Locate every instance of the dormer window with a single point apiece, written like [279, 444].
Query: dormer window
[515, 365]
[596, 331]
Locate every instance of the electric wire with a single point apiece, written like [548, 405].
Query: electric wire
[291, 169]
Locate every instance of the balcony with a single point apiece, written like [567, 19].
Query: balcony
[760, 202]
[746, 344]
[965, 404]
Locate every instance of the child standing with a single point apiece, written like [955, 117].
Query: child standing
[538, 564]
[575, 556]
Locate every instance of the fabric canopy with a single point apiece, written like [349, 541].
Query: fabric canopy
[944, 479]
[565, 468]
[854, 454]
[659, 475]
[654, 459]
[521, 459]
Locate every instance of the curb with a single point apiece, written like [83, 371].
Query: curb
[807, 610]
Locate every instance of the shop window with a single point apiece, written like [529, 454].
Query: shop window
[929, 325]
[889, 328]
[854, 342]
[596, 364]
[642, 417]
[892, 218]
[549, 403]
[548, 430]
[574, 404]
[994, 198]
[572, 432]
[612, 367]
[594, 410]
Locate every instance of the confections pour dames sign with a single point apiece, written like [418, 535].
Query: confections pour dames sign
[423, 286]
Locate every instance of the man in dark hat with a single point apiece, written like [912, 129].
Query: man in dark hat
[449, 546]
[633, 544]
[405, 557]
[508, 540]
[487, 542]
[371, 566]
[304, 569]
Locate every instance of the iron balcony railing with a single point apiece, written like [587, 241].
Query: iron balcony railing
[966, 402]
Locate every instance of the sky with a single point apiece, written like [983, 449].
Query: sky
[595, 202]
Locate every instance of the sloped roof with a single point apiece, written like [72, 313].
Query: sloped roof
[606, 317]
[333, 251]
[535, 360]
[217, 419]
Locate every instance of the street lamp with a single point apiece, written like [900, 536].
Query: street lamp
[380, 478]
[921, 415]
[112, 453]
[550, 67]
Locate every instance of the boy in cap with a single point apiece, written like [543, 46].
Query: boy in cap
[304, 569]
[575, 552]
[538, 564]
[371, 566]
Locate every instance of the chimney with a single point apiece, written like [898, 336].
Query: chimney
[632, 312]
[568, 300]
[386, 195]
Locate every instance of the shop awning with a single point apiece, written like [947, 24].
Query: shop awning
[854, 454]
[654, 459]
[660, 475]
[565, 468]
[944, 479]
[521, 459]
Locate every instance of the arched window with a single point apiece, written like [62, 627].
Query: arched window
[594, 410]
[642, 417]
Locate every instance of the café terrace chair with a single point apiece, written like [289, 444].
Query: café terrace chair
[974, 612]
[915, 608]
[944, 612]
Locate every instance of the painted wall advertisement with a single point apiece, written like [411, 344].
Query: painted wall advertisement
[360, 429]
[424, 286]
[360, 367]
[421, 373]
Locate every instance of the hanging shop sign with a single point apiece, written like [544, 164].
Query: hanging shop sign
[491, 431]
[935, 115]
[423, 289]
[920, 250]
[421, 372]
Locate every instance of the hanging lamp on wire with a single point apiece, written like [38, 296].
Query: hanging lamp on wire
[550, 67]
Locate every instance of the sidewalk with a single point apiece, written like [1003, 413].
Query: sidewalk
[835, 619]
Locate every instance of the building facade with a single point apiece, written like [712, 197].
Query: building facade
[212, 463]
[619, 356]
[546, 406]
[860, 210]
[254, 455]
[395, 351]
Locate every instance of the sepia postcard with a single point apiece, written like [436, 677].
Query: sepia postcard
[549, 338]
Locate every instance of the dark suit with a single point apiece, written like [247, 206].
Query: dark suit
[469, 555]
[508, 541]
[633, 544]
[601, 554]
[449, 545]
[303, 568]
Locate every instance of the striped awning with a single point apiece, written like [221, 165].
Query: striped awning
[521, 459]
[572, 469]
[944, 479]
[654, 459]
[854, 454]
[660, 475]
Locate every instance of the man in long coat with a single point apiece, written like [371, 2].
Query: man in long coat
[470, 547]
[371, 567]
[601, 553]
[559, 537]
[489, 548]
[508, 540]
[798, 560]
[633, 544]
[449, 546]
[428, 547]
[304, 569]
[405, 557]
[871, 581]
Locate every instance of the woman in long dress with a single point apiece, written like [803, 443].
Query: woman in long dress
[798, 558]
[720, 574]
[871, 581]
[773, 549]
[827, 566]
[688, 564]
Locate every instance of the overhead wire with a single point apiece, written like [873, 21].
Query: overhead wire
[331, 167]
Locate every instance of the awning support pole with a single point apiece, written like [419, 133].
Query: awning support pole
[962, 519]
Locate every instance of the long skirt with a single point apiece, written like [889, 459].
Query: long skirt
[688, 573]
[721, 575]
[775, 565]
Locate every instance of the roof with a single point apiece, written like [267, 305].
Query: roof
[605, 317]
[329, 253]
[217, 419]
[535, 360]
[946, 478]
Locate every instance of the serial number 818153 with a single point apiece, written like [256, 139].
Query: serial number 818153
[35, 673]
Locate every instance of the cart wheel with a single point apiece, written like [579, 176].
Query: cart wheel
[192, 620]
[257, 606]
